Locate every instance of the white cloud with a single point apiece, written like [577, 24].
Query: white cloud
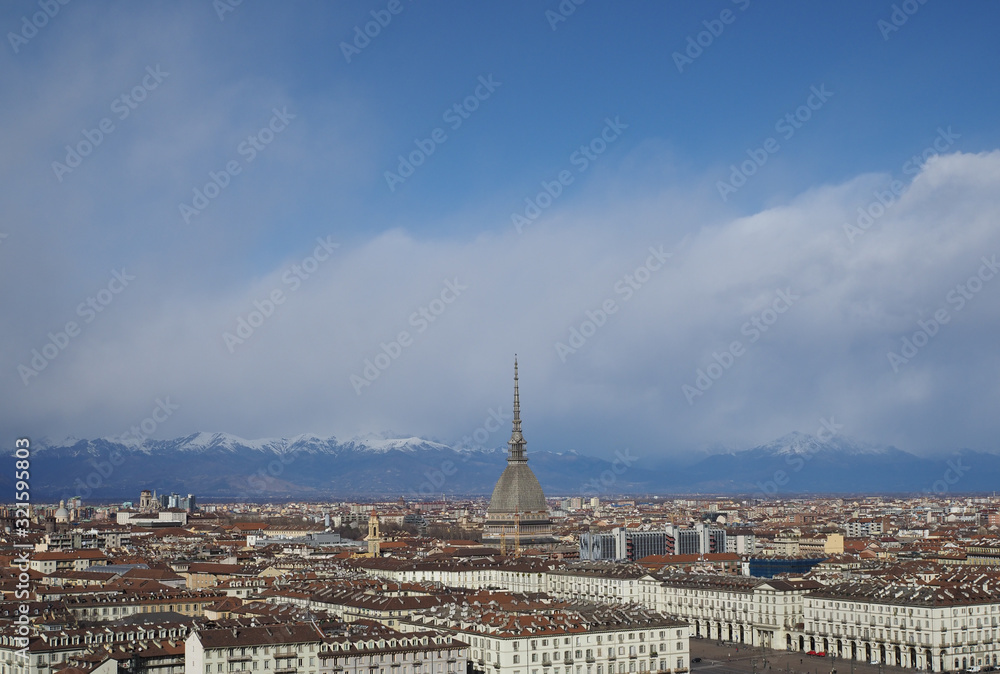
[825, 356]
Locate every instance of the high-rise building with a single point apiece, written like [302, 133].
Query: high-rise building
[596, 546]
[633, 544]
[518, 513]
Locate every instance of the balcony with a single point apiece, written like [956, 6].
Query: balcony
[286, 670]
[285, 654]
[590, 658]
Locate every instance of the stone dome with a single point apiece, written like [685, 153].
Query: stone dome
[517, 491]
[62, 515]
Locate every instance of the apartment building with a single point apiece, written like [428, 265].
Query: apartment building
[585, 640]
[292, 648]
[952, 625]
[50, 650]
[383, 651]
[600, 582]
[733, 608]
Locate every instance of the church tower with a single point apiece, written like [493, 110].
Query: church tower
[518, 510]
[374, 536]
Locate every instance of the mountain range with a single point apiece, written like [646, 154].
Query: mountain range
[307, 467]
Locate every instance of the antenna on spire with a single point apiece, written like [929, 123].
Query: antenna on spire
[517, 443]
[517, 400]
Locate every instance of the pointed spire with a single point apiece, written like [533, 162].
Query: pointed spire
[517, 400]
[517, 443]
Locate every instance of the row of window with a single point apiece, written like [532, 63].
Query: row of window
[878, 608]
[252, 650]
[241, 666]
[590, 653]
[633, 666]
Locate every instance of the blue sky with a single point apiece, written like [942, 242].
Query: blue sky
[895, 78]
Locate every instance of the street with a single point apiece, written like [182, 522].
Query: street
[733, 658]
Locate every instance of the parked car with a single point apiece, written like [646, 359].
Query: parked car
[821, 654]
[696, 660]
[811, 653]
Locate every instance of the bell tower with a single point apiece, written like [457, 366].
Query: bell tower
[374, 535]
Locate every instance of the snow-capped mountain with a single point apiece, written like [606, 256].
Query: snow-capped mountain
[803, 444]
[226, 466]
